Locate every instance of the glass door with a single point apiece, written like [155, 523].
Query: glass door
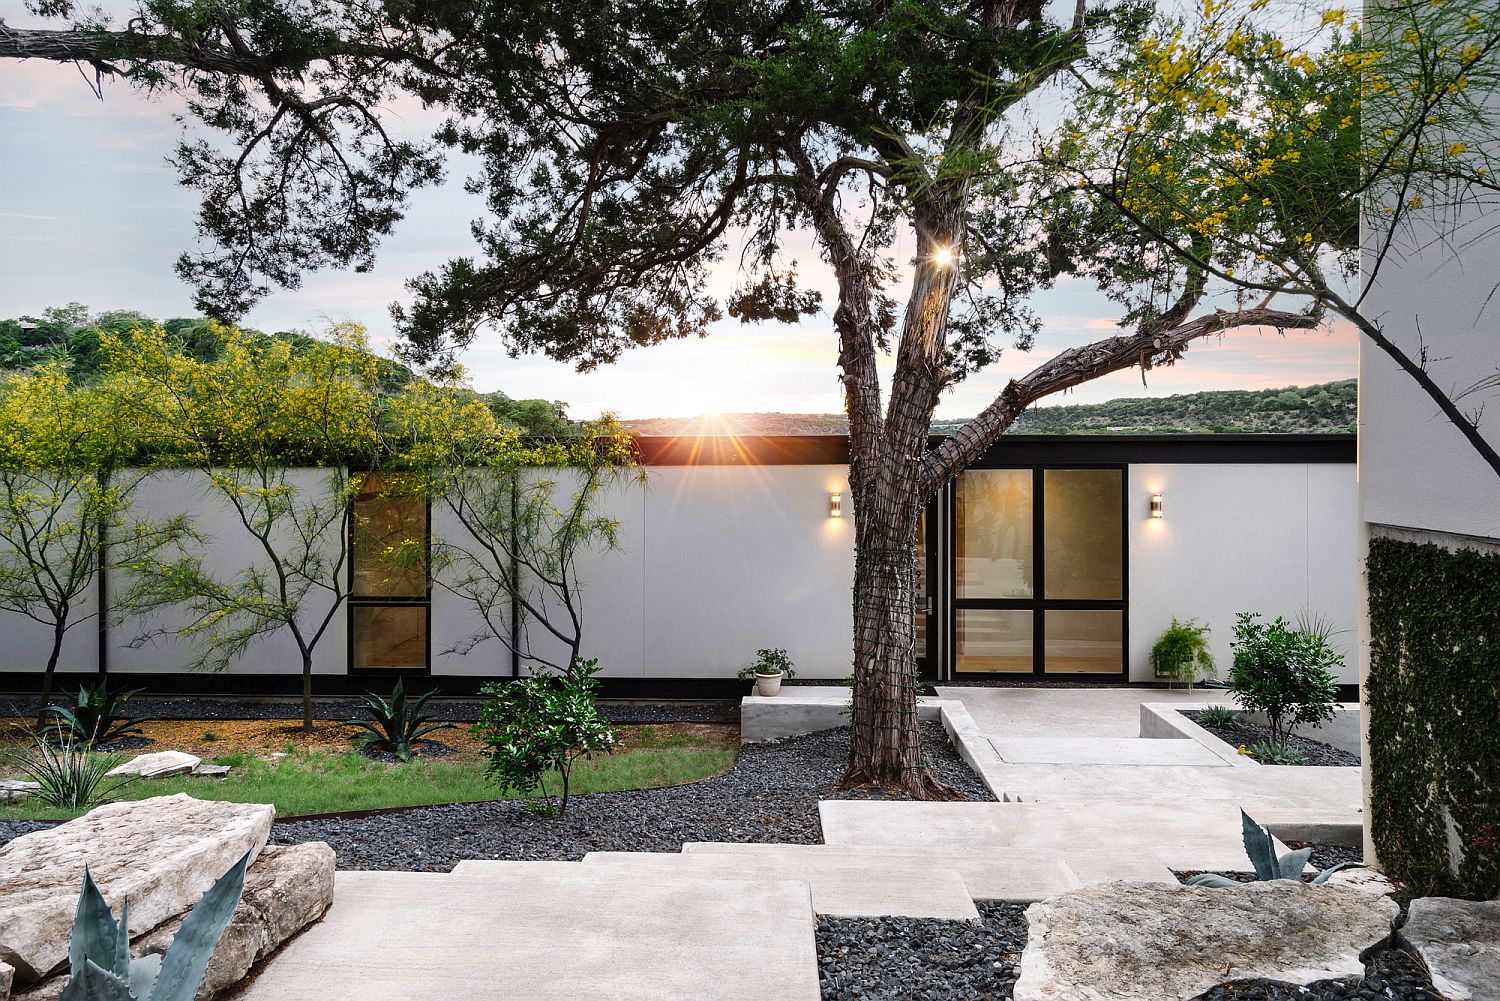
[1039, 572]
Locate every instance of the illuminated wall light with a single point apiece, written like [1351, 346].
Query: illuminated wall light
[835, 505]
[1156, 505]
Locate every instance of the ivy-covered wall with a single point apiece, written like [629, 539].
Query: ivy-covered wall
[1433, 696]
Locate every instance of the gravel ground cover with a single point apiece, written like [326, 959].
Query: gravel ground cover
[454, 710]
[771, 794]
[912, 959]
[1314, 751]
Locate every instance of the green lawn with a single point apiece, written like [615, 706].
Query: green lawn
[322, 781]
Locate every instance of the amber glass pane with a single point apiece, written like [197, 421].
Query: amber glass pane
[994, 641]
[993, 558]
[390, 636]
[1083, 533]
[1084, 642]
[390, 542]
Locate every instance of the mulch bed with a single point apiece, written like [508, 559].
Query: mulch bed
[1314, 752]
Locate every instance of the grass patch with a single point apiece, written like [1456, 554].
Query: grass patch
[318, 780]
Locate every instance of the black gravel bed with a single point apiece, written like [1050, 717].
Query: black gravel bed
[771, 794]
[452, 710]
[1314, 751]
[922, 959]
[913, 959]
[419, 749]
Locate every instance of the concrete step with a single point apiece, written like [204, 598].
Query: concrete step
[1104, 833]
[550, 931]
[844, 886]
[1017, 875]
[1104, 751]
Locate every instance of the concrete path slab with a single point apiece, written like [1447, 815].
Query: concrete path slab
[1181, 835]
[842, 885]
[1061, 712]
[1104, 751]
[550, 931]
[1017, 875]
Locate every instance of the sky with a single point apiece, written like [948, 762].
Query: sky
[91, 212]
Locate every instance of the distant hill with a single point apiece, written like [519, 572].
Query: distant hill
[1327, 407]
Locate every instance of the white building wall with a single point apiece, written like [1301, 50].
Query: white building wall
[144, 644]
[1278, 539]
[27, 643]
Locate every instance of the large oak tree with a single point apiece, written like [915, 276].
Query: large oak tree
[627, 147]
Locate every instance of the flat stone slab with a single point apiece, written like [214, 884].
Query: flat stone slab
[15, 790]
[550, 931]
[1105, 834]
[158, 765]
[161, 853]
[1134, 942]
[1459, 940]
[1013, 875]
[842, 886]
[1061, 712]
[1104, 751]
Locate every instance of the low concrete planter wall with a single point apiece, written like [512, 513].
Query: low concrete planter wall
[1166, 720]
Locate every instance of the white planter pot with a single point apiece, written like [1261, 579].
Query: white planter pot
[767, 685]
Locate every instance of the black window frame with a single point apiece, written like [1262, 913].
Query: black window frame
[424, 601]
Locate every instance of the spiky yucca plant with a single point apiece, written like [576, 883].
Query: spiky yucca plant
[100, 966]
[1261, 848]
[396, 724]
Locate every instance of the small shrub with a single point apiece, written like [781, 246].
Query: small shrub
[1284, 673]
[1270, 754]
[71, 777]
[209, 736]
[1219, 718]
[769, 661]
[100, 967]
[1182, 654]
[395, 724]
[96, 716]
[542, 725]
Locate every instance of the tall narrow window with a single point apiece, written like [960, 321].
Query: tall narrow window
[390, 602]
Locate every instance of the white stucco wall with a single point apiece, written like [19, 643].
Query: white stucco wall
[27, 643]
[1278, 539]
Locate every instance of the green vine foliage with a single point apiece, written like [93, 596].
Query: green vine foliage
[1433, 696]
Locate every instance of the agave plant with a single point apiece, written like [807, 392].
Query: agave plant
[96, 716]
[1261, 848]
[68, 774]
[395, 724]
[100, 966]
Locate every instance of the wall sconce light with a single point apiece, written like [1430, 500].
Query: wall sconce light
[1156, 505]
[835, 505]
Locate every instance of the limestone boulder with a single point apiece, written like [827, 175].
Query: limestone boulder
[15, 790]
[7, 977]
[1159, 942]
[1368, 880]
[161, 853]
[286, 888]
[157, 765]
[1459, 940]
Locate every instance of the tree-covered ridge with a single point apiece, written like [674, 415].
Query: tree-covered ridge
[1328, 407]
[73, 336]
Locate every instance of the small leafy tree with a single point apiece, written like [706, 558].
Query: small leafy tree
[541, 726]
[1286, 674]
[243, 421]
[520, 532]
[64, 504]
[1182, 654]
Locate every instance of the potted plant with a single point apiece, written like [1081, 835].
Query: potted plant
[769, 668]
[1182, 653]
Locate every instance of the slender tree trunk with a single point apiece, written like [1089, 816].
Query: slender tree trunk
[47, 676]
[307, 701]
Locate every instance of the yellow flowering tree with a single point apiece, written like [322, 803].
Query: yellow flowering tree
[523, 508]
[282, 439]
[64, 504]
[1245, 149]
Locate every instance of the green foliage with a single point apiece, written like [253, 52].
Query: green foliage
[396, 723]
[1433, 698]
[71, 776]
[1218, 718]
[1287, 674]
[1276, 754]
[1328, 407]
[769, 661]
[96, 716]
[542, 724]
[99, 962]
[1260, 846]
[1182, 654]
